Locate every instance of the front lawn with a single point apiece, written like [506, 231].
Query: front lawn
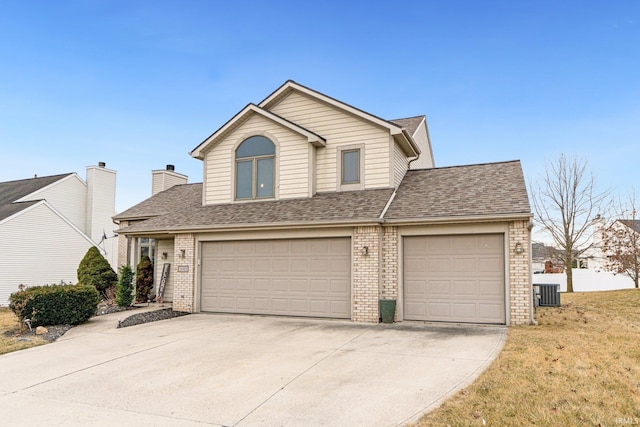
[579, 366]
[11, 338]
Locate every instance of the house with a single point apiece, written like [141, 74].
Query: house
[312, 207]
[48, 223]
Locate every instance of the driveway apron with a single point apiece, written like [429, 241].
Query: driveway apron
[233, 370]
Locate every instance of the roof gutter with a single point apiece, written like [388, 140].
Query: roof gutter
[459, 219]
[323, 224]
[253, 227]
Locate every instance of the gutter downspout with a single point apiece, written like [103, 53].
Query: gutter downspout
[386, 207]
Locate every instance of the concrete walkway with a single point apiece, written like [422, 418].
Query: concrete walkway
[225, 370]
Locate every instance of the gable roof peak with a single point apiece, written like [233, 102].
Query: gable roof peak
[400, 133]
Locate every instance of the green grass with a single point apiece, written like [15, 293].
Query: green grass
[579, 366]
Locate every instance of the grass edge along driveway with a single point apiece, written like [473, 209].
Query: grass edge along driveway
[10, 337]
[579, 366]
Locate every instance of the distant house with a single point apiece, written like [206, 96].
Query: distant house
[47, 224]
[543, 256]
[313, 207]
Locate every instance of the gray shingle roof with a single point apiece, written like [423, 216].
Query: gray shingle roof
[183, 196]
[473, 190]
[188, 214]
[492, 189]
[10, 191]
[409, 123]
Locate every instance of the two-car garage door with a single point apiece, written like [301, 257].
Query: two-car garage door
[294, 277]
[454, 278]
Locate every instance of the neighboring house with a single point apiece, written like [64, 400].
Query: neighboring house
[546, 258]
[597, 255]
[47, 224]
[312, 207]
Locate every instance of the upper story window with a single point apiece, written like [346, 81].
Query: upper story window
[350, 167]
[255, 165]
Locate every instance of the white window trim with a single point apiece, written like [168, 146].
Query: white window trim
[355, 186]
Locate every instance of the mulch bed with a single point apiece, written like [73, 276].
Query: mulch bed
[56, 331]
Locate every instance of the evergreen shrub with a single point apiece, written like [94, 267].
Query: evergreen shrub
[55, 304]
[124, 294]
[144, 279]
[95, 270]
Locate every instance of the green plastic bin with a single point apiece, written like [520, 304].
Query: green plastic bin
[387, 310]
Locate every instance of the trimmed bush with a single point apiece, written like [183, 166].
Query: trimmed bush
[124, 294]
[144, 279]
[55, 304]
[95, 270]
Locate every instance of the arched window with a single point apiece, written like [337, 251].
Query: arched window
[255, 165]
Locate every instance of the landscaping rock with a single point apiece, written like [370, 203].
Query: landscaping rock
[150, 316]
[41, 330]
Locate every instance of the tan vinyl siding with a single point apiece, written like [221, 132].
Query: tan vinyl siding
[163, 180]
[339, 128]
[68, 196]
[400, 164]
[292, 161]
[164, 246]
[38, 237]
[421, 137]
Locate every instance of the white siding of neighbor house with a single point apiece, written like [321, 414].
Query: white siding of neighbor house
[421, 137]
[400, 164]
[164, 246]
[339, 129]
[292, 161]
[101, 202]
[69, 196]
[38, 248]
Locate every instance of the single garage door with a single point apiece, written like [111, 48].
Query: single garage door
[454, 278]
[293, 277]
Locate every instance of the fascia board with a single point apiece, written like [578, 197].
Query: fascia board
[291, 85]
[252, 227]
[459, 219]
[312, 138]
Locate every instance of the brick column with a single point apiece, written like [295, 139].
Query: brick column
[366, 274]
[123, 246]
[184, 273]
[390, 263]
[520, 291]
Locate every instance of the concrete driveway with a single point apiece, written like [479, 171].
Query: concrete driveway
[226, 370]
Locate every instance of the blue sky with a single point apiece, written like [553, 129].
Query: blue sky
[138, 84]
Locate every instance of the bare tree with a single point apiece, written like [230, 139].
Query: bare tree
[621, 240]
[566, 202]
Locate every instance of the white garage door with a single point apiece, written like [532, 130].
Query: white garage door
[454, 278]
[294, 277]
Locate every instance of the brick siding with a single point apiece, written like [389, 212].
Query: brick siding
[183, 281]
[520, 292]
[366, 274]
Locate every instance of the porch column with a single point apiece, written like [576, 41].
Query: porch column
[366, 274]
[184, 273]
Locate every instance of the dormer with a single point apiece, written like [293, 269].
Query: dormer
[298, 142]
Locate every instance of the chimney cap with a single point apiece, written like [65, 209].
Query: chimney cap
[102, 164]
[171, 168]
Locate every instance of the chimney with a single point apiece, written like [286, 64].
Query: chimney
[162, 180]
[101, 206]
